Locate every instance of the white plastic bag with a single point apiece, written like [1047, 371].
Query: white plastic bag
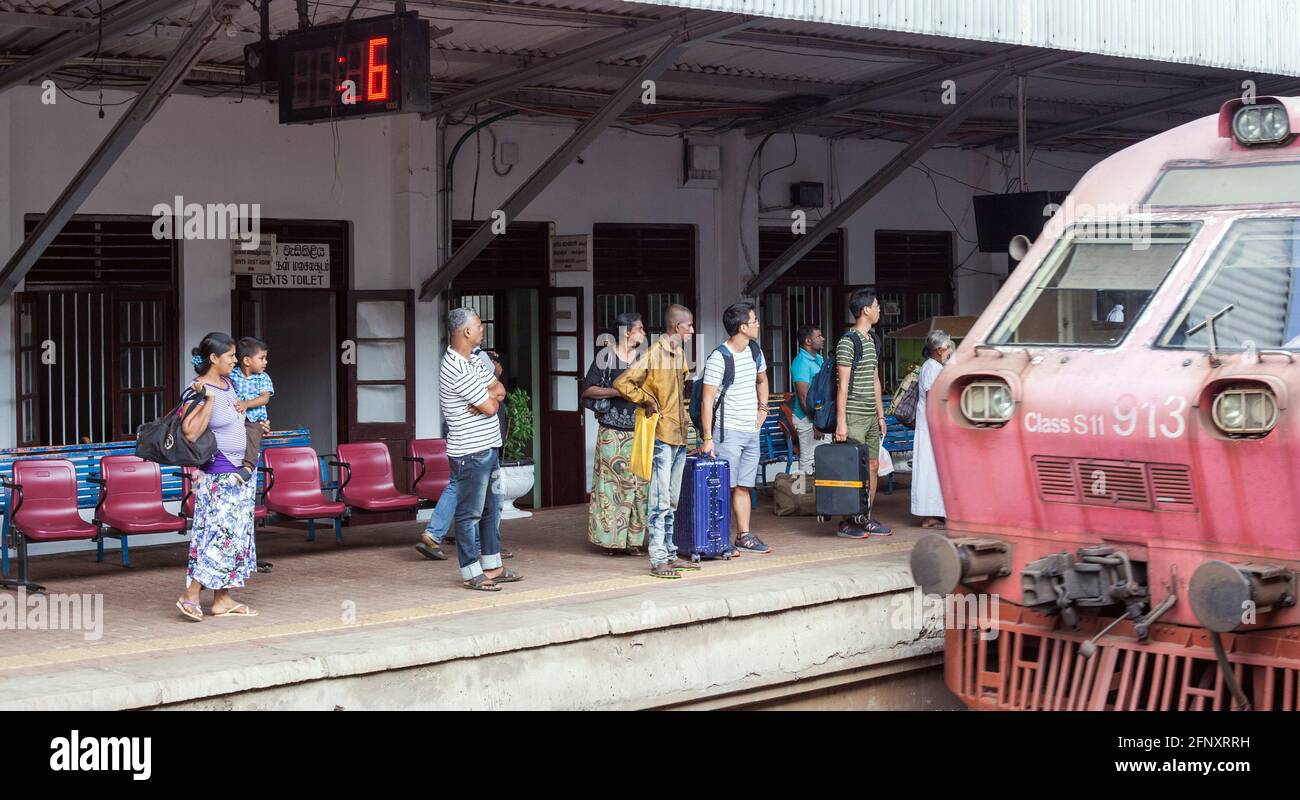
[886, 464]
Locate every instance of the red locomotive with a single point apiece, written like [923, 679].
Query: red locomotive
[1116, 442]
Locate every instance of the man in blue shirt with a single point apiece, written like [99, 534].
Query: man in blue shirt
[805, 367]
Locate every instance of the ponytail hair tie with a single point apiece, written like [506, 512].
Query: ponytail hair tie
[197, 360]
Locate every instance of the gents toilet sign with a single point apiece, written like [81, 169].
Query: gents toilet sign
[296, 265]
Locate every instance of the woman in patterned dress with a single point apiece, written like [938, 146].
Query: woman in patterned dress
[222, 550]
[618, 497]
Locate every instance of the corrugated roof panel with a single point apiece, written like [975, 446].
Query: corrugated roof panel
[1251, 35]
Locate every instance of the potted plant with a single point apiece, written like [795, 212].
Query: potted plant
[517, 454]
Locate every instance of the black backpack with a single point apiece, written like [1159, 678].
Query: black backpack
[821, 392]
[728, 377]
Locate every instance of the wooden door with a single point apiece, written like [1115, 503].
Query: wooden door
[564, 441]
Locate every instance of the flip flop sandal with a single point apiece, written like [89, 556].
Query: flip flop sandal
[192, 611]
[664, 571]
[481, 583]
[507, 576]
[234, 611]
[432, 553]
[680, 564]
[264, 566]
[506, 553]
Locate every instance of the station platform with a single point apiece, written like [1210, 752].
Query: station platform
[371, 624]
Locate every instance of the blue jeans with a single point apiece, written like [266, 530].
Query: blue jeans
[444, 514]
[477, 478]
[665, 487]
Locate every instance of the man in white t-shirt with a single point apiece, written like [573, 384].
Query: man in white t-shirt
[731, 425]
[470, 396]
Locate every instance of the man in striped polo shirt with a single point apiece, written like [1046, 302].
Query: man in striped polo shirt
[859, 410]
[470, 396]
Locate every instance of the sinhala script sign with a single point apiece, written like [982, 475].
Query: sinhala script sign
[297, 266]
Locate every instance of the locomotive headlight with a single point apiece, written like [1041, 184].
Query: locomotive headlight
[1261, 124]
[1241, 411]
[987, 402]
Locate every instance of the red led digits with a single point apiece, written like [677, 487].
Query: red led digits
[377, 69]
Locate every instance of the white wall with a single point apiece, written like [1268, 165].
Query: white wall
[221, 151]
[627, 177]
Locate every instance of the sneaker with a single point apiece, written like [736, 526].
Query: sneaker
[751, 544]
[848, 530]
[876, 528]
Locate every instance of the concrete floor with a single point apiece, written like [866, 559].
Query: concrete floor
[376, 584]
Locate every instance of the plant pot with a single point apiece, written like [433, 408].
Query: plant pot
[516, 481]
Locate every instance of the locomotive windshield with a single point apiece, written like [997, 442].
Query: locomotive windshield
[1254, 270]
[1092, 286]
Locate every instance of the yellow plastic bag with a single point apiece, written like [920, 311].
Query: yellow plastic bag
[643, 444]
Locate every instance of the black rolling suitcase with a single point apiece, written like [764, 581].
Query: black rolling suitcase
[842, 478]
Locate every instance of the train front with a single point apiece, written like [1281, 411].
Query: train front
[1116, 439]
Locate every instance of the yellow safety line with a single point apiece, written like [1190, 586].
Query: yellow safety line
[838, 484]
[749, 563]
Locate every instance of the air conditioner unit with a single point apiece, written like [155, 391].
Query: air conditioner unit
[701, 165]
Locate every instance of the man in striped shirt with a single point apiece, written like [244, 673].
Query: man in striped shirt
[859, 410]
[470, 396]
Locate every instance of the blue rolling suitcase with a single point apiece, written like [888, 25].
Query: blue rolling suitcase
[702, 524]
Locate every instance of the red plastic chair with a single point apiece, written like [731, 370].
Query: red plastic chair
[368, 483]
[130, 502]
[187, 499]
[293, 489]
[43, 508]
[434, 469]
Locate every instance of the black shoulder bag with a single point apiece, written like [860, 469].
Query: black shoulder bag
[163, 440]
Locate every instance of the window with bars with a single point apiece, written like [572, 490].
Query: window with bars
[914, 282]
[516, 259]
[632, 265]
[803, 295]
[97, 333]
[485, 306]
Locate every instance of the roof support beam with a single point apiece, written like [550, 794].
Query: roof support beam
[1217, 94]
[71, 46]
[875, 184]
[20, 19]
[146, 104]
[660, 60]
[575, 57]
[898, 83]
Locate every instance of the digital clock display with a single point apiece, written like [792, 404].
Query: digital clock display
[371, 66]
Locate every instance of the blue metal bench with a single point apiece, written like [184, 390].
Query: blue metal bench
[85, 460]
[899, 440]
[774, 443]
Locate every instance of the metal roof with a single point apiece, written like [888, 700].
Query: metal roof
[793, 52]
[1250, 35]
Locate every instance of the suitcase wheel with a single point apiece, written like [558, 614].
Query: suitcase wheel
[822, 517]
[695, 558]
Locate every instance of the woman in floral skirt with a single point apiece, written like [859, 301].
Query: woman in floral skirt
[222, 551]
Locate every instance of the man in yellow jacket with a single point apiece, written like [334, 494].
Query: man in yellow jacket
[657, 383]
